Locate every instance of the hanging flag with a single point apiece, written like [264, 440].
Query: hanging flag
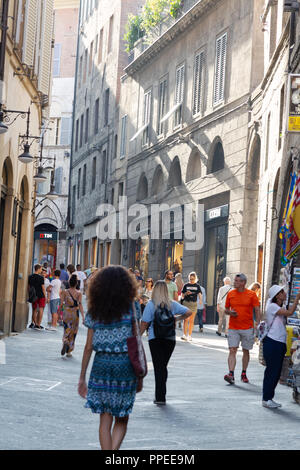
[294, 240]
[285, 229]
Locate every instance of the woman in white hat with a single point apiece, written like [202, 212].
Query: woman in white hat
[274, 344]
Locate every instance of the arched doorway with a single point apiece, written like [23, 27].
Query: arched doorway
[45, 245]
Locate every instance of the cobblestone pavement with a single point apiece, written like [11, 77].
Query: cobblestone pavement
[40, 407]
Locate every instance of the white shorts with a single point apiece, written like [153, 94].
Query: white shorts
[245, 337]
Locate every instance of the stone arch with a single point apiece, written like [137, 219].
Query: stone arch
[7, 173]
[24, 190]
[254, 160]
[142, 191]
[216, 156]
[157, 181]
[50, 213]
[194, 166]
[175, 178]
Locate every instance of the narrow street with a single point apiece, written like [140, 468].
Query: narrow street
[41, 410]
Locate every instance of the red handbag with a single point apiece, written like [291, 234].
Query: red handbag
[136, 350]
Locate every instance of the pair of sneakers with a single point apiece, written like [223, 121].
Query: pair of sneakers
[230, 378]
[186, 338]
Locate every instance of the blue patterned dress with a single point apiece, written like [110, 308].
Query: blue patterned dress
[112, 384]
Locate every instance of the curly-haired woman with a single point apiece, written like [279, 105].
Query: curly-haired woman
[112, 385]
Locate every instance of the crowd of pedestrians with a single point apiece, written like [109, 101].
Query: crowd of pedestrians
[119, 298]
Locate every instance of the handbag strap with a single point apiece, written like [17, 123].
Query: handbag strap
[135, 329]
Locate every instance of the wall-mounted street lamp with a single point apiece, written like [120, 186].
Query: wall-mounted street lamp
[5, 121]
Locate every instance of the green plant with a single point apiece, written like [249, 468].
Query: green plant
[154, 11]
[133, 31]
[175, 6]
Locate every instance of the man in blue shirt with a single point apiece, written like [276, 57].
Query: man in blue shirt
[64, 277]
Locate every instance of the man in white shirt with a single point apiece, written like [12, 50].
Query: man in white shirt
[81, 276]
[54, 288]
[222, 294]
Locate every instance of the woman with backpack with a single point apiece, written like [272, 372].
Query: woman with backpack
[159, 316]
[72, 300]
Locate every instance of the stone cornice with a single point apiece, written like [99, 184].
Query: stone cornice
[178, 28]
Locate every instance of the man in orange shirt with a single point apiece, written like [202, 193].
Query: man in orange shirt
[240, 303]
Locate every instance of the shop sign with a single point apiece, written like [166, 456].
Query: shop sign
[293, 108]
[45, 236]
[216, 212]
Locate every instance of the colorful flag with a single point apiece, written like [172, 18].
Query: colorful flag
[285, 229]
[294, 241]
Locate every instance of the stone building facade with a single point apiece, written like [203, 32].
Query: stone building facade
[274, 150]
[24, 78]
[51, 214]
[185, 139]
[101, 59]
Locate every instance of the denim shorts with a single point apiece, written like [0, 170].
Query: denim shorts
[54, 304]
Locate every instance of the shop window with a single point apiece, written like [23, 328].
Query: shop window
[174, 255]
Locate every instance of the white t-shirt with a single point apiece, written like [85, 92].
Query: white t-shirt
[46, 283]
[81, 276]
[56, 285]
[277, 330]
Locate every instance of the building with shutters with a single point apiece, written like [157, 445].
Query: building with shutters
[184, 138]
[26, 51]
[101, 59]
[51, 214]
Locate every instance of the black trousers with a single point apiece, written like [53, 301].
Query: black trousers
[274, 352]
[161, 351]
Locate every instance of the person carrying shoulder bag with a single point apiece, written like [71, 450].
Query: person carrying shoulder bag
[274, 344]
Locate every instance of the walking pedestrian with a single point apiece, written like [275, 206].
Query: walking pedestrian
[201, 309]
[36, 281]
[55, 289]
[240, 303]
[47, 302]
[274, 344]
[64, 277]
[221, 300]
[161, 348]
[191, 291]
[112, 385]
[82, 277]
[71, 298]
[172, 287]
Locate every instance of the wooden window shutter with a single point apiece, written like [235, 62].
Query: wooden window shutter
[46, 46]
[30, 32]
[198, 82]
[220, 70]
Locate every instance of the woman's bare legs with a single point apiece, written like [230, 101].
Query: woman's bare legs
[105, 438]
[191, 323]
[119, 431]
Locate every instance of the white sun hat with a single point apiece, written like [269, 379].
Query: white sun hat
[274, 290]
